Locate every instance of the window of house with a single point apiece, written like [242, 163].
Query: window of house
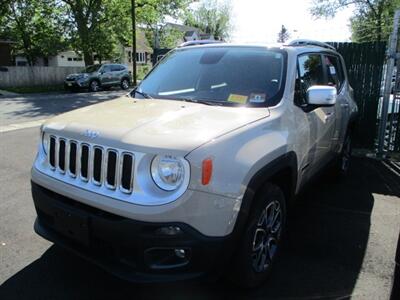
[334, 71]
[141, 57]
[69, 58]
[310, 72]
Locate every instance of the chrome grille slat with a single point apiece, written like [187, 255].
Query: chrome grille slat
[110, 172]
[130, 172]
[57, 149]
[85, 162]
[99, 173]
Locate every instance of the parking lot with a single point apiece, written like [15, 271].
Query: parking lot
[341, 240]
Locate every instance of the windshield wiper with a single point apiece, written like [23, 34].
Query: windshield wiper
[147, 96]
[205, 102]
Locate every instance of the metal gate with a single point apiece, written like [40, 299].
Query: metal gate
[389, 107]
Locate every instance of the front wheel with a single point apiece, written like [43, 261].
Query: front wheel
[262, 239]
[125, 84]
[94, 86]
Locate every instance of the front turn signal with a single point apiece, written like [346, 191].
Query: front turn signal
[207, 168]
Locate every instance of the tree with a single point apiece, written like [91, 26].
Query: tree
[98, 26]
[211, 17]
[283, 35]
[35, 25]
[372, 21]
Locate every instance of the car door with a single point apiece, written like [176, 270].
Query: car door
[116, 71]
[105, 75]
[336, 78]
[320, 120]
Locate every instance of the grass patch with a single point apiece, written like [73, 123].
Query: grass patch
[35, 89]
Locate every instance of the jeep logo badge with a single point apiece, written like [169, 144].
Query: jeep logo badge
[91, 133]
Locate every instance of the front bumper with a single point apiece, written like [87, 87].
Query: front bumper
[132, 250]
[76, 84]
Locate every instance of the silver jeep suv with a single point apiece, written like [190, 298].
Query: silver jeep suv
[193, 172]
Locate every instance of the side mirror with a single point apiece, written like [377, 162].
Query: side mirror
[321, 95]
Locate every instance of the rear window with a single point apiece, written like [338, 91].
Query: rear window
[225, 75]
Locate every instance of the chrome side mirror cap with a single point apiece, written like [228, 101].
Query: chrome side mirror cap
[321, 95]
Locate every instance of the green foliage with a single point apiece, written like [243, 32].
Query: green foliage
[365, 27]
[372, 21]
[142, 71]
[211, 17]
[169, 38]
[283, 35]
[36, 27]
[44, 27]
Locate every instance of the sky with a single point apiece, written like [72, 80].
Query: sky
[259, 21]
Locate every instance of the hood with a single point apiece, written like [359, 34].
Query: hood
[152, 125]
[75, 75]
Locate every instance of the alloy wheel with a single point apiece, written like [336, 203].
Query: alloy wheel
[266, 236]
[125, 84]
[94, 86]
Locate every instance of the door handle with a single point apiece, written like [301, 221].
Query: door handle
[344, 105]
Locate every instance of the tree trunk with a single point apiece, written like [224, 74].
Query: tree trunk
[88, 58]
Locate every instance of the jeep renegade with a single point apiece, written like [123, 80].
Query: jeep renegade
[193, 172]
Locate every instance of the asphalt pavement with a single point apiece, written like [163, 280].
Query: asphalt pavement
[341, 239]
[29, 107]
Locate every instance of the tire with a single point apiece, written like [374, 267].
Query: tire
[261, 242]
[125, 83]
[342, 166]
[94, 86]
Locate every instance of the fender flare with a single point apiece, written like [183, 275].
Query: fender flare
[283, 162]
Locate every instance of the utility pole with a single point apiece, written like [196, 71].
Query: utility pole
[134, 75]
[391, 53]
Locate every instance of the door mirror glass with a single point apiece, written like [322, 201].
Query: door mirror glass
[321, 95]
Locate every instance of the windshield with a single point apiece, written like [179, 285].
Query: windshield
[91, 69]
[221, 75]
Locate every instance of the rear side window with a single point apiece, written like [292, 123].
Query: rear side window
[116, 68]
[310, 72]
[334, 71]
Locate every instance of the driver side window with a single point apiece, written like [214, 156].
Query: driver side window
[310, 72]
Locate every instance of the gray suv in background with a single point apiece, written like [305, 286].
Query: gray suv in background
[100, 76]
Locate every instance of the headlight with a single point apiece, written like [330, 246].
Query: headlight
[168, 172]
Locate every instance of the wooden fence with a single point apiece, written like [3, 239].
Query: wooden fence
[34, 76]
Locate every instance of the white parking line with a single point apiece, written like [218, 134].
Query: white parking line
[23, 125]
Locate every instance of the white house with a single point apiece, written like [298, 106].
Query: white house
[143, 51]
[66, 58]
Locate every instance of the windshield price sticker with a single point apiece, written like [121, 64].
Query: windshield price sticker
[237, 98]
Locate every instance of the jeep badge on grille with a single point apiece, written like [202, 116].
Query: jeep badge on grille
[91, 133]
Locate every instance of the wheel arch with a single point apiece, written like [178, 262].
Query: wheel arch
[282, 171]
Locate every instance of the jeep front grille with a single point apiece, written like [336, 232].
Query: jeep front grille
[92, 163]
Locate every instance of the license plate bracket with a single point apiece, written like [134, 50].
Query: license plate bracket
[72, 225]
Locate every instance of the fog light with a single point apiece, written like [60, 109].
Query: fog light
[181, 253]
[169, 230]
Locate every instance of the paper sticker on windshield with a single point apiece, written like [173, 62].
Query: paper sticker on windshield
[257, 98]
[237, 98]
[332, 70]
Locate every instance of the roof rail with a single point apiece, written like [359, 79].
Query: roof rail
[199, 42]
[305, 42]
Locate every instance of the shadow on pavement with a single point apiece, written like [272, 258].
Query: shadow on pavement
[322, 258]
[45, 105]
